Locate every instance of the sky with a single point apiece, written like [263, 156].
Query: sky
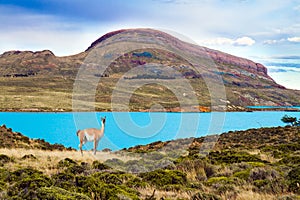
[262, 30]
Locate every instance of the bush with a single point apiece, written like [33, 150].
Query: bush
[75, 169]
[21, 174]
[67, 162]
[3, 186]
[294, 180]
[221, 179]
[64, 180]
[4, 175]
[290, 160]
[263, 174]
[27, 187]
[98, 165]
[256, 164]
[114, 163]
[97, 189]
[108, 178]
[204, 196]
[52, 193]
[4, 159]
[161, 178]
[136, 183]
[267, 186]
[229, 157]
[29, 156]
[244, 175]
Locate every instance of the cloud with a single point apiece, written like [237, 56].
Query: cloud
[294, 39]
[278, 41]
[272, 42]
[242, 41]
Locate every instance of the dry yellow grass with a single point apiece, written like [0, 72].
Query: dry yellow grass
[46, 161]
[248, 195]
[160, 194]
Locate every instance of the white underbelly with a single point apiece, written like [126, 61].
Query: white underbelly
[88, 137]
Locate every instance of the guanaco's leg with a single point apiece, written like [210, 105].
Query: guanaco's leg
[80, 147]
[95, 146]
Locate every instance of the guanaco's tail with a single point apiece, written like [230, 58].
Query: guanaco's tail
[77, 132]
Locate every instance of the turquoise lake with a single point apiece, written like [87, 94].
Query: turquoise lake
[125, 130]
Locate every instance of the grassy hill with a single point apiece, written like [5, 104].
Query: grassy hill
[253, 164]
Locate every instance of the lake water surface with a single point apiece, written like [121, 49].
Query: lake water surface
[125, 130]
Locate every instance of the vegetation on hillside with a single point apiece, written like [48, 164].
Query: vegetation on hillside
[254, 164]
[10, 139]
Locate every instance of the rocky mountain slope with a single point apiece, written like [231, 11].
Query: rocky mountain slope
[33, 80]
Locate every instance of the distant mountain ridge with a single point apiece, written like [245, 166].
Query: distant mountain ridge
[246, 82]
[217, 56]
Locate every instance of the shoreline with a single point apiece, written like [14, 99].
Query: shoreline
[288, 109]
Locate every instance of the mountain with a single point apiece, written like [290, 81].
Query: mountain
[33, 81]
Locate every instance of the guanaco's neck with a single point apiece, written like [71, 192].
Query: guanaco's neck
[102, 127]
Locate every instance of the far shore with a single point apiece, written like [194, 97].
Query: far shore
[172, 110]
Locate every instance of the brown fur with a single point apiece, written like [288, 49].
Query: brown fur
[91, 134]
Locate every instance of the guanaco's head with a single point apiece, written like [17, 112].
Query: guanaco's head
[103, 119]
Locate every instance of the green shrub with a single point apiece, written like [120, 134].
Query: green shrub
[75, 169]
[205, 196]
[261, 173]
[94, 187]
[244, 175]
[221, 179]
[4, 159]
[136, 183]
[277, 186]
[4, 174]
[64, 180]
[27, 187]
[112, 192]
[290, 160]
[108, 178]
[261, 183]
[162, 178]
[67, 162]
[256, 164]
[114, 163]
[138, 168]
[98, 165]
[3, 186]
[229, 157]
[85, 184]
[53, 193]
[294, 180]
[289, 148]
[21, 174]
